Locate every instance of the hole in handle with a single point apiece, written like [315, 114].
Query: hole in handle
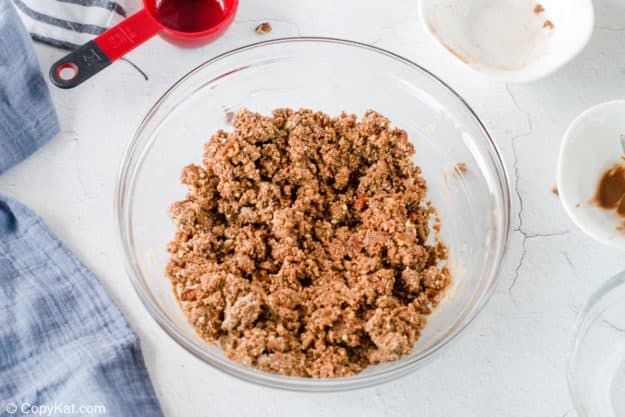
[67, 71]
[78, 65]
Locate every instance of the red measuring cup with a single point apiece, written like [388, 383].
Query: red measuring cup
[184, 22]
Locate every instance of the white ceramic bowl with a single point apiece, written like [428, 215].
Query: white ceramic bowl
[591, 145]
[511, 40]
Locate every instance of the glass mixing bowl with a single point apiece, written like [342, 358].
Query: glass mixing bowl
[330, 75]
[596, 370]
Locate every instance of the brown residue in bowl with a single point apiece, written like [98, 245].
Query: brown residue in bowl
[539, 9]
[610, 194]
[611, 188]
[454, 52]
[457, 54]
[554, 190]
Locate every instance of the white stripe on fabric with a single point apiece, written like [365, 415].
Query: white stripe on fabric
[54, 32]
[106, 4]
[95, 16]
[72, 12]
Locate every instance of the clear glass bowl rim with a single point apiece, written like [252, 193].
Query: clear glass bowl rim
[308, 384]
[581, 327]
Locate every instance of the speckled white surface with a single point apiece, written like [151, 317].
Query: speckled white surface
[509, 362]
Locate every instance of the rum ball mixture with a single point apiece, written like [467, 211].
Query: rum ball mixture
[305, 245]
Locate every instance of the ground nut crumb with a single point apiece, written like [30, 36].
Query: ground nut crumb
[305, 245]
[263, 28]
[461, 168]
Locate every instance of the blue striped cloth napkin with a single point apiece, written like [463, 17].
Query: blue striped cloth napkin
[64, 345]
[65, 348]
[70, 23]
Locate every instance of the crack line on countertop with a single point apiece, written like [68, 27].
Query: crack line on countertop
[383, 29]
[526, 235]
[568, 260]
[613, 326]
[79, 170]
[515, 165]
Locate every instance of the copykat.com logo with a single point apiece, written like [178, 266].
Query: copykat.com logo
[54, 409]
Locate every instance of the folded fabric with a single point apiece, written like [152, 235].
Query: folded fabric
[27, 118]
[69, 23]
[65, 348]
[62, 340]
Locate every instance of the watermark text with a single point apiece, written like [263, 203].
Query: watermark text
[56, 408]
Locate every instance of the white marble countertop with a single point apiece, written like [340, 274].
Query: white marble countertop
[510, 362]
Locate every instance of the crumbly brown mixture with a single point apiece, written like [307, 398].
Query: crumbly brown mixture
[301, 245]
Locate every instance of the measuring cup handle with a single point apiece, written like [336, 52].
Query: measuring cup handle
[95, 55]
[80, 65]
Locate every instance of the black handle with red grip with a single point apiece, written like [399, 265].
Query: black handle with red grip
[79, 65]
[95, 55]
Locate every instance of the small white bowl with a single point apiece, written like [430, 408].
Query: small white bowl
[510, 40]
[591, 146]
